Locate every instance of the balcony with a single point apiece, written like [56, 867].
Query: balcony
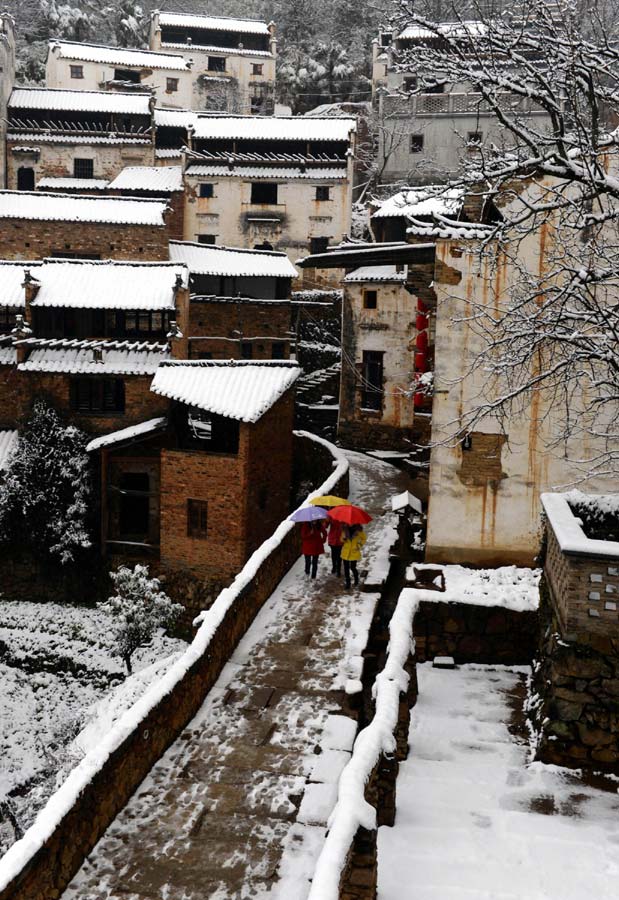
[455, 104]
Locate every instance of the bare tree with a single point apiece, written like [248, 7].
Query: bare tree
[557, 328]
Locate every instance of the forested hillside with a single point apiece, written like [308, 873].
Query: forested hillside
[324, 45]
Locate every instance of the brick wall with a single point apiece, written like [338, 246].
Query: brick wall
[56, 160]
[48, 870]
[30, 239]
[236, 322]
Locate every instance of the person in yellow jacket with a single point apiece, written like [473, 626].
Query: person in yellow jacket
[354, 539]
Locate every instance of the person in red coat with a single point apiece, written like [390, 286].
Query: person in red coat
[336, 539]
[313, 537]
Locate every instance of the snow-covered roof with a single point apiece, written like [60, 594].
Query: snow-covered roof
[128, 103]
[78, 357]
[8, 357]
[216, 48]
[72, 184]
[206, 259]
[404, 500]
[237, 389]
[86, 284]
[121, 56]
[51, 138]
[157, 179]
[174, 118]
[377, 273]
[270, 172]
[8, 445]
[11, 283]
[213, 23]
[168, 153]
[72, 208]
[445, 29]
[141, 430]
[422, 201]
[273, 128]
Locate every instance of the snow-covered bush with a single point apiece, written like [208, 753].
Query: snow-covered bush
[45, 492]
[139, 607]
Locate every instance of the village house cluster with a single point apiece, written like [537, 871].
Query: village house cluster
[155, 215]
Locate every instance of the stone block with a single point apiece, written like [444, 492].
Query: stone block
[593, 737]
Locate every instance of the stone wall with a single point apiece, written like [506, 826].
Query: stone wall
[475, 634]
[576, 710]
[63, 843]
[35, 239]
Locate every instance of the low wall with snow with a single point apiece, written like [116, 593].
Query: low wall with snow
[42, 863]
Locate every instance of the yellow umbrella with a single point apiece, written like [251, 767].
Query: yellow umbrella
[330, 501]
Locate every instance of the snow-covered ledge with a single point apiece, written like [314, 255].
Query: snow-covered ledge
[568, 529]
[52, 849]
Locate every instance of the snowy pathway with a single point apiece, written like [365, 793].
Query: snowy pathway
[474, 821]
[213, 816]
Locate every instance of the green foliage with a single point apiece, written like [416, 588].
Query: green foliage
[45, 492]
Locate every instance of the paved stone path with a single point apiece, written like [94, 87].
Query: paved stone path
[213, 816]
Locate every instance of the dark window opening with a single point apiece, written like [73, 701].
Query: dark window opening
[73, 254]
[386, 38]
[247, 350]
[7, 318]
[416, 143]
[372, 384]
[435, 89]
[97, 395]
[127, 75]
[212, 433]
[207, 239]
[265, 245]
[171, 85]
[278, 350]
[83, 168]
[217, 63]
[410, 82]
[263, 497]
[197, 519]
[134, 506]
[25, 178]
[319, 244]
[370, 299]
[474, 137]
[263, 192]
[77, 71]
[207, 190]
[322, 192]
[257, 68]
[141, 324]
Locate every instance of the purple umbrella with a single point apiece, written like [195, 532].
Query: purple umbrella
[308, 514]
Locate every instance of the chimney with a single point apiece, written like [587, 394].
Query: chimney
[21, 332]
[97, 354]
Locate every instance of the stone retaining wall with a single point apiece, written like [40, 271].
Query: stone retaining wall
[41, 865]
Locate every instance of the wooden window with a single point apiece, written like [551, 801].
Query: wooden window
[322, 192]
[372, 384]
[263, 192]
[197, 519]
[83, 168]
[416, 143]
[257, 68]
[217, 63]
[77, 71]
[171, 85]
[97, 395]
[207, 190]
[143, 323]
[319, 244]
[370, 299]
[25, 178]
[207, 239]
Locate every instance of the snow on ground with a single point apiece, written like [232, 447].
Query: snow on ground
[475, 821]
[510, 587]
[59, 675]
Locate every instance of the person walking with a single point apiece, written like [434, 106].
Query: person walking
[313, 537]
[354, 539]
[335, 541]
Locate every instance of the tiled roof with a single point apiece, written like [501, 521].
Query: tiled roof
[72, 184]
[168, 153]
[11, 282]
[72, 208]
[433, 199]
[237, 389]
[376, 273]
[173, 118]
[157, 179]
[216, 48]
[8, 444]
[78, 357]
[117, 55]
[446, 29]
[141, 430]
[268, 128]
[213, 23]
[81, 101]
[205, 259]
[86, 140]
[81, 284]
[270, 172]
[8, 357]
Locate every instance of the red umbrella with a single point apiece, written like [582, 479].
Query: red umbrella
[349, 515]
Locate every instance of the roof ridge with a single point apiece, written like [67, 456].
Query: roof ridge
[170, 12]
[278, 253]
[48, 90]
[106, 197]
[55, 260]
[232, 363]
[108, 47]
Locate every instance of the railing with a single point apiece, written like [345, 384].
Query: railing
[454, 104]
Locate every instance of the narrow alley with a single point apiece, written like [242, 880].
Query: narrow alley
[213, 817]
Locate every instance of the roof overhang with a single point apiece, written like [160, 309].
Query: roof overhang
[369, 255]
